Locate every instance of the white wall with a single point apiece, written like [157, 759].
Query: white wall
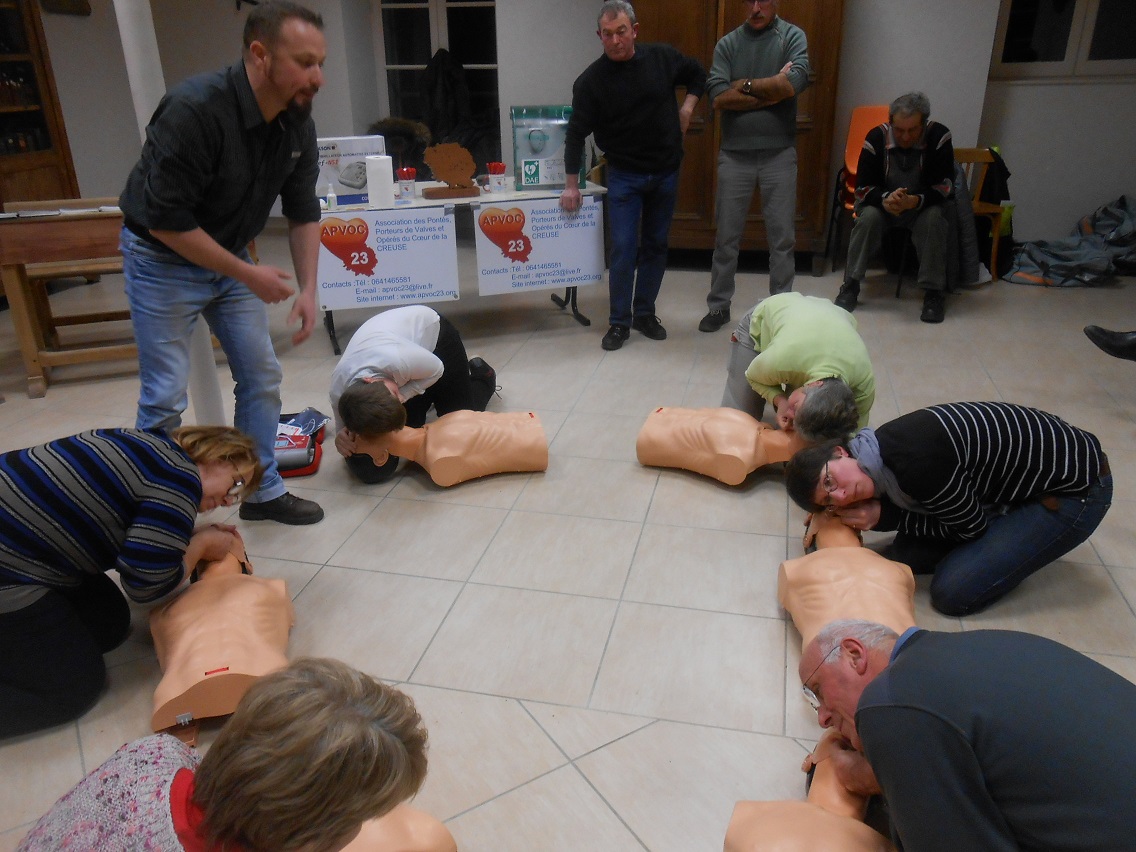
[541, 49]
[90, 76]
[362, 69]
[204, 35]
[940, 48]
[1069, 148]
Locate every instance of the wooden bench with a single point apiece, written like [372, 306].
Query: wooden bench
[41, 274]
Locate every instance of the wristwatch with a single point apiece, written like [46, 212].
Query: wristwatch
[747, 86]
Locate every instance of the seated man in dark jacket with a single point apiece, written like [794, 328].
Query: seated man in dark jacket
[906, 172]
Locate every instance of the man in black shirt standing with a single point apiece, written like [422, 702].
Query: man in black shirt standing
[219, 150]
[626, 98]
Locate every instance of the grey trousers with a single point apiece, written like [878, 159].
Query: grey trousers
[739, 394]
[739, 172]
[928, 232]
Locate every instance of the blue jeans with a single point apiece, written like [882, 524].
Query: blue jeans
[167, 294]
[973, 575]
[638, 255]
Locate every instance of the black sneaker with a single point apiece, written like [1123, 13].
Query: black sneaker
[481, 371]
[285, 509]
[615, 337]
[846, 298]
[714, 320]
[650, 327]
[934, 306]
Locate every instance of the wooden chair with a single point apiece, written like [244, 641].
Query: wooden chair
[974, 163]
[864, 118]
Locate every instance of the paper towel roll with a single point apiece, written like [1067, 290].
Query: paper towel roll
[380, 181]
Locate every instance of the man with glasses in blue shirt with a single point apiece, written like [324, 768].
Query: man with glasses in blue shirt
[988, 739]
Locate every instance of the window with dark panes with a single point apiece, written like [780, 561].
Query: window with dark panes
[1065, 39]
[456, 96]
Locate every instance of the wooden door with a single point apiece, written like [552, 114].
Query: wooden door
[694, 28]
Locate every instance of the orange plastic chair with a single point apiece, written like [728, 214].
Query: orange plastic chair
[864, 118]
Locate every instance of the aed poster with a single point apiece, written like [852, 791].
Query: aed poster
[379, 258]
[534, 245]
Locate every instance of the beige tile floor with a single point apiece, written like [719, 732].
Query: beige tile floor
[597, 649]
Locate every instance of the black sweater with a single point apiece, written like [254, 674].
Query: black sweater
[631, 109]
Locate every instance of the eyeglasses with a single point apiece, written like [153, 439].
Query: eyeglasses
[811, 696]
[235, 491]
[828, 483]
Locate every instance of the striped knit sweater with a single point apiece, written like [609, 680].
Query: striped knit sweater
[962, 459]
[110, 498]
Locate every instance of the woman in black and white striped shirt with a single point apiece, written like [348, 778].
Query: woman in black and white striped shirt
[983, 494]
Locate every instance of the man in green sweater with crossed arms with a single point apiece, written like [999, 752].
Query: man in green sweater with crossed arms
[757, 73]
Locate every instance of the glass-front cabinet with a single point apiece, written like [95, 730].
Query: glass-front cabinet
[35, 158]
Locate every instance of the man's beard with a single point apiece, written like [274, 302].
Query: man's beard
[300, 111]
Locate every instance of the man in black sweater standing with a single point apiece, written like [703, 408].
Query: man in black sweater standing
[626, 99]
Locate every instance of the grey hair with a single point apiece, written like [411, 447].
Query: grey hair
[828, 411]
[910, 104]
[613, 9]
[869, 633]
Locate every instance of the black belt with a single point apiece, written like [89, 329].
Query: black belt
[143, 233]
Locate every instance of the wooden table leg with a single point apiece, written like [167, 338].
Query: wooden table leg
[27, 328]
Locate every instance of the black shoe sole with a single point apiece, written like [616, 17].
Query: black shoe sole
[290, 520]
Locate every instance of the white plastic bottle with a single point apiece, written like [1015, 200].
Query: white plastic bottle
[332, 199]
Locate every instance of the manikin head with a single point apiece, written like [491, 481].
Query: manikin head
[760, 13]
[312, 752]
[908, 116]
[617, 28]
[284, 52]
[822, 410]
[837, 665]
[537, 140]
[827, 476]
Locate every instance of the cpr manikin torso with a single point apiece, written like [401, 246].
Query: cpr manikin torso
[723, 443]
[464, 445]
[841, 579]
[217, 637]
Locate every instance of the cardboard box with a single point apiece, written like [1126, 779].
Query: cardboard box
[343, 166]
[538, 146]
